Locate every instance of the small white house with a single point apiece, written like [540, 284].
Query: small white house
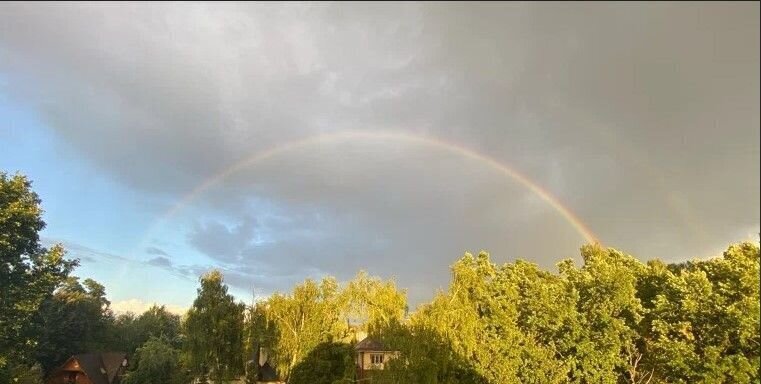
[372, 355]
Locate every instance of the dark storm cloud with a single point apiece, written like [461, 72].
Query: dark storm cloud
[642, 118]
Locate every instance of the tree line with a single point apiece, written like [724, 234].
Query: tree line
[612, 319]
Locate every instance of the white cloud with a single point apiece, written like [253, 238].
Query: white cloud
[138, 306]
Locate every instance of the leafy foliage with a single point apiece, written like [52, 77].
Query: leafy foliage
[372, 302]
[214, 329]
[75, 320]
[426, 358]
[309, 316]
[327, 363]
[702, 318]
[29, 273]
[157, 362]
[130, 331]
[613, 319]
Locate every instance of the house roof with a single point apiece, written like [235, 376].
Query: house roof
[112, 361]
[100, 368]
[267, 373]
[368, 344]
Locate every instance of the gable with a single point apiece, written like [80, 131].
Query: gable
[71, 365]
[99, 368]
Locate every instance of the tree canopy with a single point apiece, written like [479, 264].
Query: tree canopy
[214, 330]
[130, 331]
[29, 273]
[75, 319]
[157, 362]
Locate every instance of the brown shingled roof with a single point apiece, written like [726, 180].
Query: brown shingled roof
[112, 361]
[100, 368]
[369, 344]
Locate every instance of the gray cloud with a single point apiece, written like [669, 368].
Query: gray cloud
[218, 241]
[87, 259]
[160, 262]
[643, 119]
[155, 251]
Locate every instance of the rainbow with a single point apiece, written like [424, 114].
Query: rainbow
[337, 137]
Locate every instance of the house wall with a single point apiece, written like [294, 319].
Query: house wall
[365, 361]
[61, 378]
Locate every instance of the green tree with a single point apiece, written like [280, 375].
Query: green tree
[612, 320]
[702, 321]
[156, 321]
[259, 332]
[157, 362]
[29, 273]
[292, 325]
[130, 331]
[478, 319]
[312, 314]
[609, 311]
[214, 331]
[516, 323]
[426, 357]
[22, 374]
[373, 302]
[326, 363]
[76, 319]
[124, 334]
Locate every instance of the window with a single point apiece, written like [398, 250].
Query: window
[376, 358]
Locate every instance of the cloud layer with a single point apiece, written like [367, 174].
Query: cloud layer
[643, 119]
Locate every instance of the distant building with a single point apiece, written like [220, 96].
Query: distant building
[372, 355]
[91, 368]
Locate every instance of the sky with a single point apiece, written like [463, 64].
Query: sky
[278, 142]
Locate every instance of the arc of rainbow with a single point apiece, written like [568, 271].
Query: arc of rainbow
[463, 151]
